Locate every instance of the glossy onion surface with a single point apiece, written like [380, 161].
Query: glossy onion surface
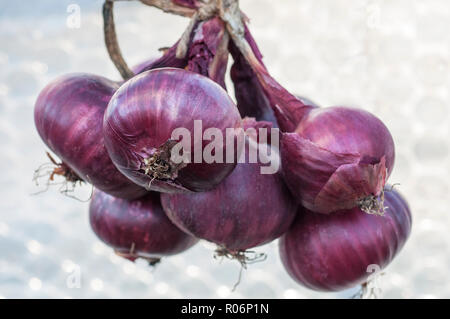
[333, 252]
[68, 115]
[144, 112]
[246, 210]
[137, 228]
[336, 157]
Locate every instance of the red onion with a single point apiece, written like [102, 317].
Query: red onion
[331, 253]
[337, 158]
[207, 55]
[68, 116]
[53, 103]
[138, 228]
[333, 158]
[246, 210]
[144, 112]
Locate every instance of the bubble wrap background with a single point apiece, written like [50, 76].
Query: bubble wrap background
[390, 57]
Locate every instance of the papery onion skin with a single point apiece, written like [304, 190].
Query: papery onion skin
[250, 96]
[137, 228]
[336, 157]
[332, 253]
[144, 112]
[68, 115]
[206, 56]
[247, 209]
[194, 4]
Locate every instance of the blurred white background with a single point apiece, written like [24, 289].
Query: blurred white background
[390, 57]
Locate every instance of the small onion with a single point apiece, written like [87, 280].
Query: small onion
[138, 228]
[143, 114]
[68, 115]
[335, 252]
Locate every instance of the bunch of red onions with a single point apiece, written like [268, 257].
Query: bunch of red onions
[326, 196]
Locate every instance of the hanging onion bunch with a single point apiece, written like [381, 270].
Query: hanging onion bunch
[327, 198]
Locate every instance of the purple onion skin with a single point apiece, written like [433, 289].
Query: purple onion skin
[206, 57]
[332, 253]
[143, 113]
[335, 157]
[68, 116]
[187, 3]
[137, 228]
[250, 96]
[247, 209]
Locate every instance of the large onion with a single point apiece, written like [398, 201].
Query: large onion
[333, 252]
[246, 210]
[143, 114]
[68, 115]
[338, 158]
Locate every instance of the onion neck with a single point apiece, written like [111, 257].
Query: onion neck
[111, 43]
[287, 107]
